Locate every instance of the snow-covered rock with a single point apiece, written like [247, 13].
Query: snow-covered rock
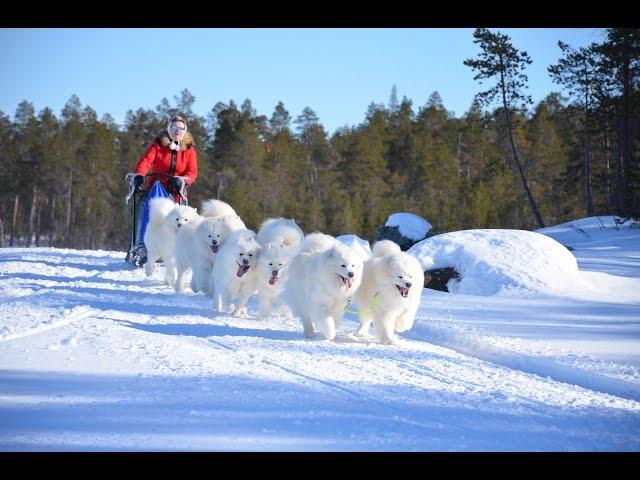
[410, 225]
[361, 246]
[500, 261]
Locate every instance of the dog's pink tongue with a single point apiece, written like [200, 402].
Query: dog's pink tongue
[273, 280]
[241, 270]
[349, 282]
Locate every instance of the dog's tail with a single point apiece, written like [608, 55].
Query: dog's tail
[384, 247]
[216, 208]
[159, 208]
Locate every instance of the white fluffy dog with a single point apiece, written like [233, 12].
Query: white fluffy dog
[216, 208]
[322, 277]
[279, 239]
[165, 219]
[234, 272]
[196, 247]
[390, 292]
[284, 232]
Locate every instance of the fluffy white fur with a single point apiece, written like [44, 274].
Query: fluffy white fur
[216, 208]
[279, 239]
[196, 247]
[234, 272]
[271, 274]
[322, 277]
[396, 280]
[281, 231]
[165, 219]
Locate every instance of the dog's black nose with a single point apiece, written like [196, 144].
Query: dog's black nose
[350, 274]
[408, 284]
[245, 261]
[215, 242]
[179, 225]
[274, 273]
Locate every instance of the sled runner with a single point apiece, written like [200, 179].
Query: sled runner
[137, 252]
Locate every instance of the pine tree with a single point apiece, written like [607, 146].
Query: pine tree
[578, 71]
[393, 100]
[499, 58]
[280, 119]
[620, 65]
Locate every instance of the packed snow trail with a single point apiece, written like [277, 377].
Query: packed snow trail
[94, 356]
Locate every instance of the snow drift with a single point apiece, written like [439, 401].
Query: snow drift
[500, 262]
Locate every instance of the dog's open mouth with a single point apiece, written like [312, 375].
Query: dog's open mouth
[348, 281]
[404, 291]
[242, 269]
[273, 280]
[214, 247]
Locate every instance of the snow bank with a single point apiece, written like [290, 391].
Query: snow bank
[500, 262]
[410, 225]
[586, 228]
[361, 246]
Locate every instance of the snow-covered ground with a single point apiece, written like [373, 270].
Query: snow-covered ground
[94, 356]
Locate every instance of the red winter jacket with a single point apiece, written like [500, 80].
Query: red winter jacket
[157, 159]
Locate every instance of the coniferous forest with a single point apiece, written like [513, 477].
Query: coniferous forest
[505, 163]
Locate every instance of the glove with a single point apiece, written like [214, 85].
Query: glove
[134, 179]
[181, 183]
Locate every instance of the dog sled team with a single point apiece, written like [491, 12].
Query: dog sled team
[315, 277]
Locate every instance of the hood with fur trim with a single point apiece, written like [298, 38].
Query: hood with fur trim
[163, 139]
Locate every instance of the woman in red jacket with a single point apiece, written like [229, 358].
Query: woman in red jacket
[170, 159]
[173, 156]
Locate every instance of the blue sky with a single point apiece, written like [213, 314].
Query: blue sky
[336, 72]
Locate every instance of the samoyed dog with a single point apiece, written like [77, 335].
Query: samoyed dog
[196, 247]
[389, 294]
[279, 240]
[322, 277]
[216, 208]
[234, 271]
[284, 232]
[165, 219]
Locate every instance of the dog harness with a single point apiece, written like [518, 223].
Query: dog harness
[374, 301]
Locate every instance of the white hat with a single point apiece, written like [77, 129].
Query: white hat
[172, 119]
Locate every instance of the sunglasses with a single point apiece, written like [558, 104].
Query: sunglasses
[178, 128]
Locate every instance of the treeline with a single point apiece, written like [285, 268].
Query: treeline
[63, 177]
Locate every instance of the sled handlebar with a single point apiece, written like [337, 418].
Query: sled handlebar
[133, 187]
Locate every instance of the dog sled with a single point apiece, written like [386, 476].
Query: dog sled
[137, 252]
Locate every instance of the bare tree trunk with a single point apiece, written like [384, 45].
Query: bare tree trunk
[52, 226]
[67, 228]
[16, 201]
[32, 215]
[1, 233]
[38, 215]
[608, 172]
[587, 167]
[626, 150]
[532, 202]
[458, 153]
[619, 183]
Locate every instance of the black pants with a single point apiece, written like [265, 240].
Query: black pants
[141, 202]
